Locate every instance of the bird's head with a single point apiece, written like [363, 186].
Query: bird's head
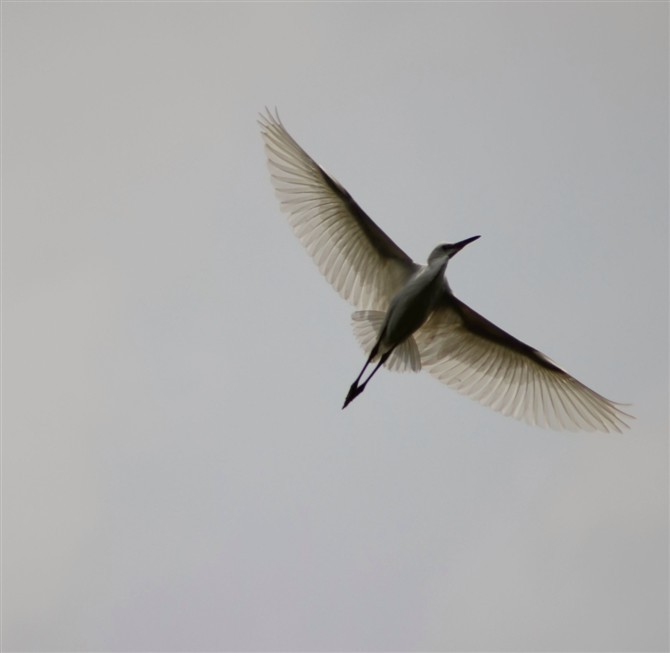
[442, 253]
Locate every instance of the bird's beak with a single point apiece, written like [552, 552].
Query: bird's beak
[459, 246]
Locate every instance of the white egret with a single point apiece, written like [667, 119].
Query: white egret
[408, 318]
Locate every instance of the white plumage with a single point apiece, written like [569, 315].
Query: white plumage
[408, 318]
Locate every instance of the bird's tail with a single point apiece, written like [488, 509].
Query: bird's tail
[368, 324]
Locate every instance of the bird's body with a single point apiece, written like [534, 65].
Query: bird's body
[408, 318]
[411, 306]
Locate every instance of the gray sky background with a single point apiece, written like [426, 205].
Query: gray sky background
[177, 472]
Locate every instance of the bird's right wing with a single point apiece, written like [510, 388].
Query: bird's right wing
[360, 261]
[467, 352]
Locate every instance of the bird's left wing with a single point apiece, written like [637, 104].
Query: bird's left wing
[467, 352]
[359, 260]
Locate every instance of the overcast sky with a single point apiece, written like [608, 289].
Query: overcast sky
[177, 473]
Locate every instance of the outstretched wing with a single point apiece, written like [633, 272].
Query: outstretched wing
[360, 261]
[467, 352]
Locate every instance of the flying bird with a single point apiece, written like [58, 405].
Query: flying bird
[408, 318]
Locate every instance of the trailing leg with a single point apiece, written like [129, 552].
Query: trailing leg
[356, 389]
[353, 390]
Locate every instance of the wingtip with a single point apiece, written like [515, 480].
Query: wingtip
[268, 117]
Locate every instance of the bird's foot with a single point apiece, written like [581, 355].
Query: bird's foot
[354, 391]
